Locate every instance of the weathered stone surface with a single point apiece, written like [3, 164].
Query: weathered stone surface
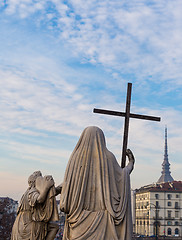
[96, 192]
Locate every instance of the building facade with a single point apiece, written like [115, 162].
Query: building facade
[158, 209]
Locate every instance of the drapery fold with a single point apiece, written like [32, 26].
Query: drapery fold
[96, 192]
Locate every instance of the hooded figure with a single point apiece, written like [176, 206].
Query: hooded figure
[96, 192]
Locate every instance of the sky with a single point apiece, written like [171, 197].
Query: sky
[60, 59]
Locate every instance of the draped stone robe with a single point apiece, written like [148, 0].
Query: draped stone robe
[32, 217]
[96, 192]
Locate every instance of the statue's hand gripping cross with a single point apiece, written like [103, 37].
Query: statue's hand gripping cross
[127, 115]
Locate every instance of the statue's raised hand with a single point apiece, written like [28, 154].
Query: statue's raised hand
[130, 155]
[49, 181]
[131, 158]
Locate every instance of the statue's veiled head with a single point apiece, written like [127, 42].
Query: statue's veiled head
[91, 145]
[92, 134]
[32, 178]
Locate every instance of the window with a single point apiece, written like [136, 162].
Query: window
[169, 196]
[169, 214]
[169, 231]
[177, 196]
[157, 196]
[176, 214]
[176, 231]
[176, 205]
[157, 203]
[176, 223]
[169, 204]
[169, 223]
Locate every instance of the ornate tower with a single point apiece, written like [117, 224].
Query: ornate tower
[166, 174]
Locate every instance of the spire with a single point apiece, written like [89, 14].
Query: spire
[166, 174]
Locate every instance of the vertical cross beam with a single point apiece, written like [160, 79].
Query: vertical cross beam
[126, 125]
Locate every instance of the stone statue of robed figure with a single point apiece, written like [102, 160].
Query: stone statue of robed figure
[37, 211]
[96, 192]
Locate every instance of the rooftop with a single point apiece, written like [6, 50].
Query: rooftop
[175, 186]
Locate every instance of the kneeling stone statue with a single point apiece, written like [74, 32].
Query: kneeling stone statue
[37, 210]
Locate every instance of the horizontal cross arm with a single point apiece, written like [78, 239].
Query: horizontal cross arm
[109, 112]
[122, 114]
[145, 117]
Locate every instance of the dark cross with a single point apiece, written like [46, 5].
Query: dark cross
[127, 115]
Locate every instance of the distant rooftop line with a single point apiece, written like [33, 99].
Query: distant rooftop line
[175, 186]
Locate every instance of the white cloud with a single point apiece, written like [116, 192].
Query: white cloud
[34, 152]
[130, 37]
[41, 95]
[33, 107]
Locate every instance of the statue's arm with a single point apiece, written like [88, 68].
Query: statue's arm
[44, 190]
[41, 198]
[59, 189]
[131, 158]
